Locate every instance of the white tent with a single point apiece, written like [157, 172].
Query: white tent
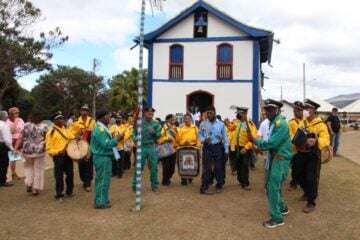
[324, 106]
[353, 107]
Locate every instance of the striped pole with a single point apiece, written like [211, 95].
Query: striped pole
[139, 121]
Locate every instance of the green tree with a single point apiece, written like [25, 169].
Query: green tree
[67, 89]
[124, 90]
[20, 54]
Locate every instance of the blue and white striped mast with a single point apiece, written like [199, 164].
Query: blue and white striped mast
[156, 3]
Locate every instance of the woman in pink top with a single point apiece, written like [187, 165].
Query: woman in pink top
[32, 137]
[15, 124]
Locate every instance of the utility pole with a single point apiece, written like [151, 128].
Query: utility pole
[304, 86]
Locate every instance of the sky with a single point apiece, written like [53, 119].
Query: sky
[321, 34]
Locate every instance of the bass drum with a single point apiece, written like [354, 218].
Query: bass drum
[188, 159]
[78, 149]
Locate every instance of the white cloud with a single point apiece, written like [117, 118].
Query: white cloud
[323, 34]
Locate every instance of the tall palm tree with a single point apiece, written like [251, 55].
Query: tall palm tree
[157, 4]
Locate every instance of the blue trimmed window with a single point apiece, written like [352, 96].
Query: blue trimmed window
[176, 67]
[224, 61]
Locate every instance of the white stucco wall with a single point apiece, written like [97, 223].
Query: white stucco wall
[216, 28]
[200, 60]
[287, 111]
[171, 97]
[219, 28]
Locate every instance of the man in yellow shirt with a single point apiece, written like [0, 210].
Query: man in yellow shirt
[57, 139]
[244, 147]
[84, 126]
[298, 120]
[309, 163]
[168, 134]
[121, 130]
[188, 136]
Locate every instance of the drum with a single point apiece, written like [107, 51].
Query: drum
[77, 149]
[299, 139]
[188, 159]
[164, 150]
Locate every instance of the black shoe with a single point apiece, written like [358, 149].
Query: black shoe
[272, 223]
[206, 192]
[102, 206]
[218, 190]
[155, 190]
[29, 189]
[190, 180]
[309, 208]
[70, 195]
[285, 211]
[184, 182]
[7, 184]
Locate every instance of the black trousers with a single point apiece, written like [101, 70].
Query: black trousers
[294, 170]
[63, 164]
[127, 160]
[4, 162]
[86, 171]
[309, 174]
[232, 157]
[118, 165]
[242, 166]
[168, 166]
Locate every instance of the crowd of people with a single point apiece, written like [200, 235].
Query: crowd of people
[112, 140]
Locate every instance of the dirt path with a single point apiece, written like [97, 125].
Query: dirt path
[350, 145]
[180, 212]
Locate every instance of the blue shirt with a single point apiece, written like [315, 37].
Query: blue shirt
[215, 131]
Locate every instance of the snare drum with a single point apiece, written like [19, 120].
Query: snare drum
[127, 146]
[188, 159]
[77, 149]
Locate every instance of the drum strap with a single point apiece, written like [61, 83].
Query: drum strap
[55, 128]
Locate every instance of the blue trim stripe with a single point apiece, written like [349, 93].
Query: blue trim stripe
[150, 75]
[202, 81]
[256, 80]
[210, 39]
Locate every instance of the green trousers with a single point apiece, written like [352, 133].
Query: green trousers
[148, 154]
[277, 174]
[103, 168]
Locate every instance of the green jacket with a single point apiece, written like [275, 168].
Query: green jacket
[146, 137]
[279, 141]
[101, 142]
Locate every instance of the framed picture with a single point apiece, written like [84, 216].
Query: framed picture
[188, 161]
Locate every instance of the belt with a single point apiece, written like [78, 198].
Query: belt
[277, 156]
[148, 144]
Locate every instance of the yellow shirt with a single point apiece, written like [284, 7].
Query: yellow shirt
[166, 136]
[293, 127]
[80, 125]
[123, 128]
[318, 127]
[190, 134]
[242, 135]
[55, 142]
[232, 126]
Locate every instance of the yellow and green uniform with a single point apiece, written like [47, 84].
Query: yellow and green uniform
[168, 133]
[309, 161]
[148, 150]
[101, 146]
[242, 141]
[277, 166]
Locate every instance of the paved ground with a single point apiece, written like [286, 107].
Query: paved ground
[350, 146]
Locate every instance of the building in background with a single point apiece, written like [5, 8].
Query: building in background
[204, 57]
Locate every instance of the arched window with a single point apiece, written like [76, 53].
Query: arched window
[176, 62]
[224, 61]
